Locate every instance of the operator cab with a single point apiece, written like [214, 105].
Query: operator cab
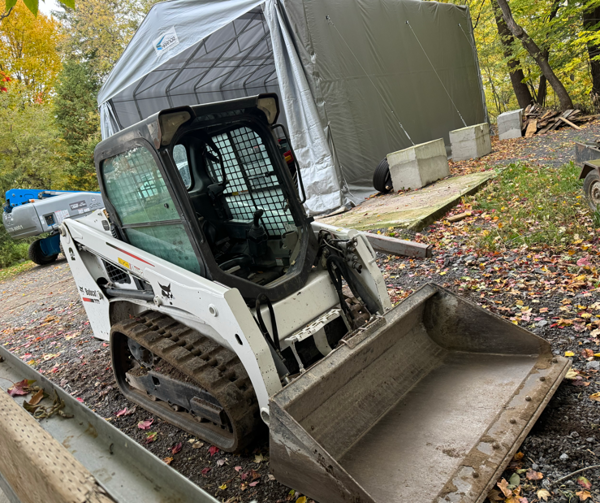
[214, 189]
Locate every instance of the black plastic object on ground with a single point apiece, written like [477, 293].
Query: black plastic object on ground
[428, 403]
[382, 180]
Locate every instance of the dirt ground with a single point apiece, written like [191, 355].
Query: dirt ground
[43, 322]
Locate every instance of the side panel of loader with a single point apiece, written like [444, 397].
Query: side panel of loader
[426, 404]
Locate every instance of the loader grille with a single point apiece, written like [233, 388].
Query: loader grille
[251, 180]
[116, 274]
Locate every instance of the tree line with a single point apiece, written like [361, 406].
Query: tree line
[545, 52]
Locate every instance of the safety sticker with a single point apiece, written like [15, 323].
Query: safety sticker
[61, 215]
[124, 263]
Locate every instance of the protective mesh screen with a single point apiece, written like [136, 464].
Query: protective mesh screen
[251, 181]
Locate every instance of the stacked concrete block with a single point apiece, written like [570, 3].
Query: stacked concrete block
[470, 142]
[417, 166]
[509, 124]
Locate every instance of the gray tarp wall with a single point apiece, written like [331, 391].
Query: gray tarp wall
[348, 72]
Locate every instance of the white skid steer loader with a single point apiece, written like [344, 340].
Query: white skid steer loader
[228, 311]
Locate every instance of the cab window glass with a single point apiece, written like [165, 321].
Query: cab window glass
[139, 195]
[137, 189]
[181, 161]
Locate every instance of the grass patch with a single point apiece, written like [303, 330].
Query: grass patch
[9, 272]
[533, 206]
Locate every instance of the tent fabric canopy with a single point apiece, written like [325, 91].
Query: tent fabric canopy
[355, 80]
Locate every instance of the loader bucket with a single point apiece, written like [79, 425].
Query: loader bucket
[427, 404]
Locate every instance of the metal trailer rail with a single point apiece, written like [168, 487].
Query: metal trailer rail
[123, 468]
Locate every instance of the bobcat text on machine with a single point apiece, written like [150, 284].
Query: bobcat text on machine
[229, 310]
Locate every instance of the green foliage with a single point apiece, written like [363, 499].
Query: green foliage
[98, 31]
[28, 142]
[78, 122]
[11, 252]
[533, 206]
[33, 5]
[563, 36]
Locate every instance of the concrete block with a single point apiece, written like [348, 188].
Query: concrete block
[470, 142]
[510, 124]
[419, 165]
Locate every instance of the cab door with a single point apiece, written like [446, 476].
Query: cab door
[144, 206]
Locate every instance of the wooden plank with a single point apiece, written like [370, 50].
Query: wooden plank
[459, 216]
[36, 466]
[555, 125]
[566, 121]
[398, 247]
[531, 128]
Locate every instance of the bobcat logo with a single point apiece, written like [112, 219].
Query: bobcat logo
[166, 291]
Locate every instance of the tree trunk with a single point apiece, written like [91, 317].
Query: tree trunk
[514, 66]
[591, 18]
[537, 54]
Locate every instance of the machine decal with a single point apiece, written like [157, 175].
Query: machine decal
[166, 291]
[88, 299]
[130, 254]
[61, 215]
[124, 263]
[79, 206]
[91, 293]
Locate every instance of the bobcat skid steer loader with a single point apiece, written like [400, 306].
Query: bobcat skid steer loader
[228, 311]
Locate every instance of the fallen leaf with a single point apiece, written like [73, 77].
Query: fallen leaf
[205, 471]
[151, 437]
[588, 353]
[21, 388]
[583, 495]
[503, 486]
[79, 399]
[514, 480]
[145, 425]
[124, 412]
[213, 450]
[259, 458]
[223, 487]
[301, 499]
[583, 482]
[569, 353]
[518, 456]
[237, 468]
[494, 495]
[220, 462]
[168, 460]
[177, 448]
[571, 374]
[254, 484]
[35, 399]
[595, 397]
[533, 475]
[543, 494]
[582, 262]
[197, 445]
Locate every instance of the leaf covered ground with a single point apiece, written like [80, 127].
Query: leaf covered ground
[529, 251]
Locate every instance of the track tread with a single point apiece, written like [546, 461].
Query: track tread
[211, 366]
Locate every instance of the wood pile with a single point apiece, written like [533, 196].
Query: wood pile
[538, 120]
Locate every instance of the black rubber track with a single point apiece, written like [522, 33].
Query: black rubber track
[214, 368]
[382, 180]
[37, 256]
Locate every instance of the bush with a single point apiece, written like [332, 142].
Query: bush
[12, 251]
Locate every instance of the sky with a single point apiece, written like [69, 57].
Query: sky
[47, 6]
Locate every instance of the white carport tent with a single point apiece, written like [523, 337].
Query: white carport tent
[351, 74]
